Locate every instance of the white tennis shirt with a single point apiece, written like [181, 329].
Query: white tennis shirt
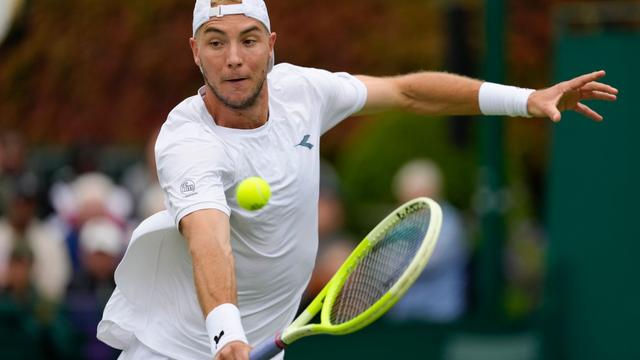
[199, 166]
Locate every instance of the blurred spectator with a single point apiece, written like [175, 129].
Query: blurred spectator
[101, 247]
[31, 327]
[334, 245]
[3, 192]
[89, 196]
[12, 165]
[15, 154]
[141, 180]
[439, 294]
[152, 201]
[51, 266]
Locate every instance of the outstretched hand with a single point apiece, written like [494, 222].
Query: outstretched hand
[568, 95]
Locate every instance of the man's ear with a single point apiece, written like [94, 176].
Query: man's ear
[195, 50]
[272, 40]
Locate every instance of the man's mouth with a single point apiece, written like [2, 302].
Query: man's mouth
[236, 80]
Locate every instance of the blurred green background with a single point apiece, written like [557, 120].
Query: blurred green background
[550, 209]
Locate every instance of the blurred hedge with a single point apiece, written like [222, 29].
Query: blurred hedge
[110, 71]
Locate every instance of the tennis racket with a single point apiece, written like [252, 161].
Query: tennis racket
[373, 278]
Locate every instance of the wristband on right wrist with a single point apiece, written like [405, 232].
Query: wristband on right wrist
[496, 99]
[224, 325]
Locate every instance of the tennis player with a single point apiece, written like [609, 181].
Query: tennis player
[240, 274]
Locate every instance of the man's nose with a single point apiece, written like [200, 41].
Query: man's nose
[234, 59]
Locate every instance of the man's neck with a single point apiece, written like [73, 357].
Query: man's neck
[250, 118]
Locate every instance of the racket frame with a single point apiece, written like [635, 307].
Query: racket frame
[325, 300]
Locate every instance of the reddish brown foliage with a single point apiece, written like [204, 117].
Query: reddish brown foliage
[112, 70]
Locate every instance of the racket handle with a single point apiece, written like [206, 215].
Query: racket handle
[267, 349]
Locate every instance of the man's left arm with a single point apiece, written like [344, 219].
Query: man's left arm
[438, 93]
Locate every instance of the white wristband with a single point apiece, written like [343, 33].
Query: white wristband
[496, 99]
[224, 326]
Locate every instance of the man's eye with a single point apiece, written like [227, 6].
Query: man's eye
[249, 42]
[215, 43]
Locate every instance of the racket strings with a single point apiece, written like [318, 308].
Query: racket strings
[381, 267]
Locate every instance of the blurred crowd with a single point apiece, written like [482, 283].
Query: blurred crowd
[60, 242]
[62, 236]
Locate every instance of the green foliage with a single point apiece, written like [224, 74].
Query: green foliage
[369, 163]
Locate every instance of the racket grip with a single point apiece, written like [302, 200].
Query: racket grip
[267, 349]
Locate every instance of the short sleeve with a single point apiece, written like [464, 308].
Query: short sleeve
[329, 97]
[344, 95]
[190, 172]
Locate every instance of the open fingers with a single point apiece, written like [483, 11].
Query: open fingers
[588, 112]
[597, 95]
[597, 86]
[580, 81]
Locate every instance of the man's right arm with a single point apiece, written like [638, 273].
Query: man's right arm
[207, 233]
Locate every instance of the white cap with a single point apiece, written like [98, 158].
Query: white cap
[102, 235]
[92, 187]
[204, 11]
[257, 9]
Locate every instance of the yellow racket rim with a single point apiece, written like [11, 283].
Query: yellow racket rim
[326, 299]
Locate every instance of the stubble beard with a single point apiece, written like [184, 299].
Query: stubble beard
[242, 104]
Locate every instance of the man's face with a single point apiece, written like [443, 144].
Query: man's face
[233, 53]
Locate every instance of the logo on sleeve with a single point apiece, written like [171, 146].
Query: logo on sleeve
[305, 142]
[218, 338]
[188, 187]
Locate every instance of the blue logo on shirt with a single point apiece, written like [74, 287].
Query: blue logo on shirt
[305, 142]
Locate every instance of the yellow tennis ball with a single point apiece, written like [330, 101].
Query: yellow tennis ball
[253, 193]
